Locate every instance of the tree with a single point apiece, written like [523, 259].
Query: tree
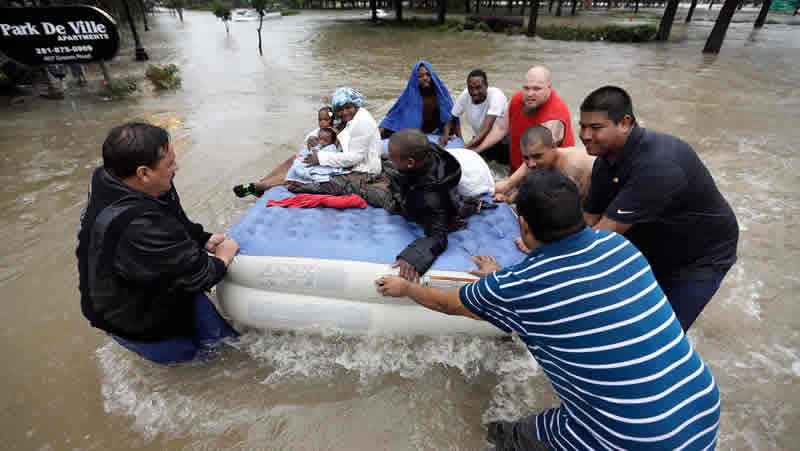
[691, 11]
[176, 5]
[714, 42]
[762, 15]
[666, 21]
[223, 13]
[442, 10]
[534, 14]
[260, 6]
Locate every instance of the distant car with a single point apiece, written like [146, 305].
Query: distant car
[248, 15]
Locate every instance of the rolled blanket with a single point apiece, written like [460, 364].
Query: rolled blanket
[320, 200]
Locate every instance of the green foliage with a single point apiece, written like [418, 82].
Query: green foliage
[221, 11]
[174, 4]
[483, 26]
[451, 25]
[164, 76]
[119, 87]
[516, 30]
[289, 12]
[259, 5]
[613, 33]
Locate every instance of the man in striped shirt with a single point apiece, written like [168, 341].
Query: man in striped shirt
[588, 307]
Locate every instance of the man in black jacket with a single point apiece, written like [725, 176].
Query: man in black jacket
[143, 265]
[423, 179]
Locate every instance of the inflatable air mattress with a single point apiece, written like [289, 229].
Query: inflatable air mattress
[315, 268]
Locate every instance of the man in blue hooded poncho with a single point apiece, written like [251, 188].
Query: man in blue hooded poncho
[424, 104]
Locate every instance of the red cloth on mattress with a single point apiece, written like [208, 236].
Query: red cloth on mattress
[320, 200]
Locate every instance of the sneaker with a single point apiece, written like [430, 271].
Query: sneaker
[244, 189]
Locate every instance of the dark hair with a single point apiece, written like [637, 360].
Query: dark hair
[551, 205]
[613, 101]
[328, 130]
[410, 143]
[132, 145]
[536, 134]
[328, 109]
[478, 73]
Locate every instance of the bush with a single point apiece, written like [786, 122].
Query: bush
[613, 33]
[118, 88]
[164, 76]
[483, 26]
[289, 12]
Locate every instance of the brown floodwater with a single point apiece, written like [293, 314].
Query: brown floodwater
[66, 386]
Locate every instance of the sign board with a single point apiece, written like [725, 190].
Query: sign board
[58, 35]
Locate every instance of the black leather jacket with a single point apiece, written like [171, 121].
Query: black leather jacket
[429, 198]
[141, 261]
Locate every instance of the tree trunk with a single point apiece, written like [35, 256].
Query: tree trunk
[636, 6]
[574, 5]
[714, 42]
[467, 6]
[558, 8]
[550, 6]
[398, 5]
[710, 4]
[373, 5]
[477, 6]
[534, 14]
[510, 6]
[442, 11]
[762, 16]
[144, 15]
[180, 14]
[522, 9]
[666, 21]
[260, 22]
[227, 29]
[691, 11]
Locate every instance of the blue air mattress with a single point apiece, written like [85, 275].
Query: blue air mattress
[370, 234]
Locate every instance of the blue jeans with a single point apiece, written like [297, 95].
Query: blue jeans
[209, 328]
[689, 296]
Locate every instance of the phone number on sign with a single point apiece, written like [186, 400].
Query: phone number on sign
[71, 49]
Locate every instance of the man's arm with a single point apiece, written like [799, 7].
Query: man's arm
[423, 251]
[609, 224]
[154, 250]
[486, 127]
[505, 186]
[498, 131]
[446, 132]
[444, 301]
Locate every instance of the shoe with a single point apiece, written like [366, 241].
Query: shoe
[244, 189]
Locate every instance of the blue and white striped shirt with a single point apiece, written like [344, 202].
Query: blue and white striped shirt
[592, 314]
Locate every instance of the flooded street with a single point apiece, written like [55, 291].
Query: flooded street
[67, 386]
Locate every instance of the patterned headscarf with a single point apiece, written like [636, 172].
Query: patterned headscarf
[346, 95]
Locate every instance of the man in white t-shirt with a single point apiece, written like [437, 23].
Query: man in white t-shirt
[483, 105]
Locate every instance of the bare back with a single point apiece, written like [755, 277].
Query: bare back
[576, 164]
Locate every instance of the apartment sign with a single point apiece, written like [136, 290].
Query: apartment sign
[58, 35]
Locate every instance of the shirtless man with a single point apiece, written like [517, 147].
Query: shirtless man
[539, 151]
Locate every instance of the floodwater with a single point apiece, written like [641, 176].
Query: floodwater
[65, 386]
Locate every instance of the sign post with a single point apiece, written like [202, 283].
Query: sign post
[58, 35]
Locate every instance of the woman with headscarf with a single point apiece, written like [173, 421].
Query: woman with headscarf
[425, 104]
[360, 140]
[361, 151]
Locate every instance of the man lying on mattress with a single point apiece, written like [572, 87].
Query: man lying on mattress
[423, 186]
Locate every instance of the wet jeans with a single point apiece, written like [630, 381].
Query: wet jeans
[690, 296]
[209, 328]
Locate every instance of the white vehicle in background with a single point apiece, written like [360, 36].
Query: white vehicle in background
[248, 15]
